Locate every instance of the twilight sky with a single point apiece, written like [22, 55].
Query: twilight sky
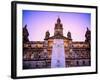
[38, 22]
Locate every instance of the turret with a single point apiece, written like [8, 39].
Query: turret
[58, 27]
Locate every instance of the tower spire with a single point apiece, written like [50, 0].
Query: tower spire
[58, 27]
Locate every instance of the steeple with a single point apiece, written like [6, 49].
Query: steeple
[58, 27]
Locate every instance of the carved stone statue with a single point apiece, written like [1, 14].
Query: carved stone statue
[88, 35]
[69, 35]
[25, 34]
[47, 35]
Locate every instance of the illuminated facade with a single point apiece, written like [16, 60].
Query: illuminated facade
[37, 54]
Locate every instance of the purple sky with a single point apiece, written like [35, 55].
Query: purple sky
[38, 22]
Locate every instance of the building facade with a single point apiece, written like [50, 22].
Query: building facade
[37, 54]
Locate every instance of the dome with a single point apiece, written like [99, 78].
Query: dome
[58, 20]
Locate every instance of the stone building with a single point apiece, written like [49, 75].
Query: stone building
[37, 54]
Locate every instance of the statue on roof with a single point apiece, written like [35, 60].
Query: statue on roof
[69, 35]
[25, 34]
[47, 35]
[88, 35]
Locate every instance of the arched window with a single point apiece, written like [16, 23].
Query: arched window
[77, 62]
[83, 62]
